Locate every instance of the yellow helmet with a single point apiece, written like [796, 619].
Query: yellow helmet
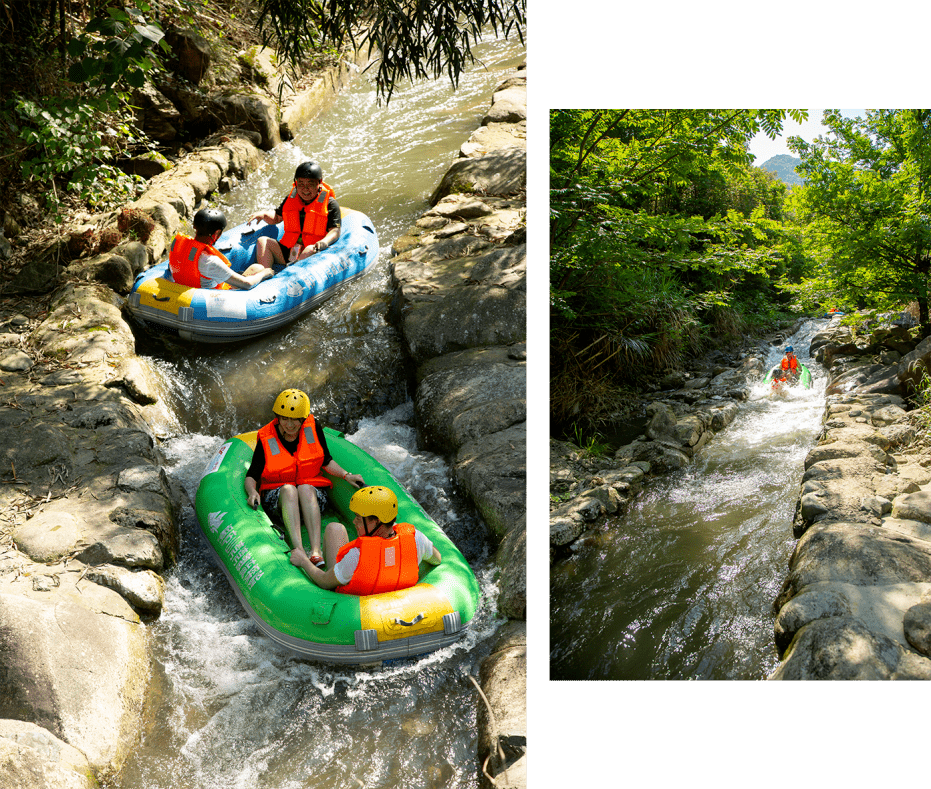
[375, 500]
[292, 403]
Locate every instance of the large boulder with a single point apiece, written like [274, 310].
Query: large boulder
[499, 172]
[76, 672]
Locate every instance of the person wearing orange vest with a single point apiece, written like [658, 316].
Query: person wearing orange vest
[286, 477]
[790, 364]
[385, 556]
[195, 262]
[311, 216]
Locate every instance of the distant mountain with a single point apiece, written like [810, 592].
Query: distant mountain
[784, 166]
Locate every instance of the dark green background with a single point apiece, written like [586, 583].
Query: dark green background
[715, 54]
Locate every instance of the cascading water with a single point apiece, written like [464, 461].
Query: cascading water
[682, 586]
[227, 707]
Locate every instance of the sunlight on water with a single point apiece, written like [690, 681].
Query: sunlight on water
[682, 585]
[228, 707]
[237, 710]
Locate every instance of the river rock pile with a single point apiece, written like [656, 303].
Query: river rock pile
[461, 304]
[86, 530]
[685, 412]
[857, 601]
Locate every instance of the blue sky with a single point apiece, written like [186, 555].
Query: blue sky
[764, 148]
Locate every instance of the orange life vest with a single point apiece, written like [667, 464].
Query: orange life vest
[315, 217]
[283, 468]
[384, 564]
[182, 260]
[790, 363]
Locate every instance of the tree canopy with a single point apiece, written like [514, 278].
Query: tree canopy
[662, 236]
[866, 207]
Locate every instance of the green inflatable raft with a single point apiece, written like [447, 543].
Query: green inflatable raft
[291, 609]
[804, 376]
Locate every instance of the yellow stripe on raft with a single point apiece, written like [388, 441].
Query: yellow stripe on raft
[421, 607]
[160, 294]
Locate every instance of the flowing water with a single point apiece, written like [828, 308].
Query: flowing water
[682, 586]
[227, 707]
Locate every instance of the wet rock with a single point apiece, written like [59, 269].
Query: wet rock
[503, 728]
[663, 424]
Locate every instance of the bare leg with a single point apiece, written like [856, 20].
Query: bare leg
[336, 538]
[290, 514]
[310, 508]
[267, 252]
[255, 268]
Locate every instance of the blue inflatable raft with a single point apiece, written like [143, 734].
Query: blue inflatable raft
[161, 306]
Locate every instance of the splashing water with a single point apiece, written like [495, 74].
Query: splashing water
[682, 586]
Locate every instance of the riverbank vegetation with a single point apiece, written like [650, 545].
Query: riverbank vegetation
[76, 75]
[666, 241]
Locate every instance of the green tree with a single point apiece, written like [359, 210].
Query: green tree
[413, 38]
[867, 202]
[661, 233]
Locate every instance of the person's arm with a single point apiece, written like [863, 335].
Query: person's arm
[270, 217]
[323, 579]
[434, 558]
[252, 493]
[254, 474]
[337, 471]
[240, 282]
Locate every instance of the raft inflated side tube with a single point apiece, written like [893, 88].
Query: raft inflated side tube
[163, 307]
[804, 377]
[317, 623]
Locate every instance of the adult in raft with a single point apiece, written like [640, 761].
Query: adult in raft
[386, 555]
[285, 474]
[196, 263]
[790, 365]
[311, 216]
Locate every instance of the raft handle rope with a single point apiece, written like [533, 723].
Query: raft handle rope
[414, 621]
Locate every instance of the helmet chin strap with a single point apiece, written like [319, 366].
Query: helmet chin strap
[366, 529]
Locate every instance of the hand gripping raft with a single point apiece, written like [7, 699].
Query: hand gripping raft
[317, 623]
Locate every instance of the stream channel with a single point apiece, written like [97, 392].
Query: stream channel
[226, 706]
[682, 585]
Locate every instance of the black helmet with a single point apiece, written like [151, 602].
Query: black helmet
[309, 170]
[208, 220]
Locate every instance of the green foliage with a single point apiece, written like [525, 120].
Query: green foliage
[867, 207]
[413, 38]
[70, 139]
[116, 46]
[592, 445]
[663, 238]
